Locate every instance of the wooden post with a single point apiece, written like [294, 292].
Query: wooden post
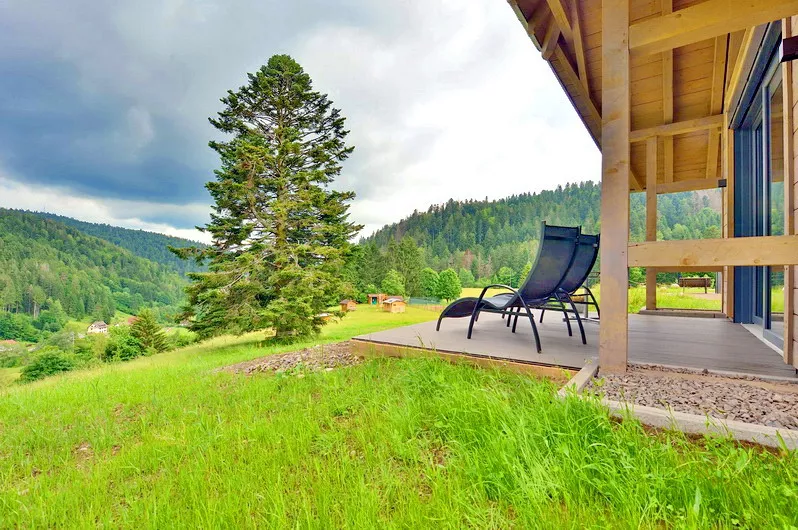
[615, 171]
[651, 217]
[667, 101]
[728, 204]
[789, 200]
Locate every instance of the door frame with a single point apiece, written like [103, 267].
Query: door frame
[751, 127]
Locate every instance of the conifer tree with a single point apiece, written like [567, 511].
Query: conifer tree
[280, 235]
[148, 332]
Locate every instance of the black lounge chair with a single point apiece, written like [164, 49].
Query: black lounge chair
[555, 255]
[587, 249]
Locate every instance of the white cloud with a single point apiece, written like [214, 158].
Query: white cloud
[458, 105]
[127, 214]
[443, 98]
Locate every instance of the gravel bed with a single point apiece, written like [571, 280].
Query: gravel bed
[325, 357]
[746, 399]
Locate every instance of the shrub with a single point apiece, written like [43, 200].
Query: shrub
[121, 346]
[181, 337]
[13, 355]
[18, 326]
[49, 363]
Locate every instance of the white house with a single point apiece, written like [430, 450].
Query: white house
[98, 327]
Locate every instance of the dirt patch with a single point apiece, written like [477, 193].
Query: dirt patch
[324, 357]
[744, 399]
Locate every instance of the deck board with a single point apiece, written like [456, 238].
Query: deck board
[698, 343]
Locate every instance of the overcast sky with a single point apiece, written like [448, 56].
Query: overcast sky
[104, 105]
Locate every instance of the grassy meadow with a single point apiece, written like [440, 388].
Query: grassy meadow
[168, 441]
[667, 297]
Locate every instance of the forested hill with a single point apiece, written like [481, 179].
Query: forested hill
[43, 261]
[478, 234]
[148, 245]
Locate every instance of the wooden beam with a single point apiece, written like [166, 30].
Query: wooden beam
[680, 127]
[690, 269]
[687, 185]
[550, 40]
[716, 103]
[738, 252]
[615, 169]
[560, 17]
[787, 71]
[706, 20]
[667, 102]
[728, 192]
[651, 217]
[571, 78]
[743, 65]
[579, 47]
[528, 28]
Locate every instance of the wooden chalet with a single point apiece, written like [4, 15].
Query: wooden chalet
[376, 298]
[348, 305]
[684, 95]
[394, 304]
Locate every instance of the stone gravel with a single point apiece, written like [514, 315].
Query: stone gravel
[324, 357]
[746, 399]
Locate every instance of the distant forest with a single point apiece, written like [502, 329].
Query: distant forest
[479, 238]
[45, 263]
[148, 245]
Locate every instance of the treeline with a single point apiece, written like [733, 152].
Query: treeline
[148, 245]
[46, 265]
[496, 241]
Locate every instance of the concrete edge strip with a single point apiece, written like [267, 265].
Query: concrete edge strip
[580, 380]
[682, 421]
[723, 373]
[695, 424]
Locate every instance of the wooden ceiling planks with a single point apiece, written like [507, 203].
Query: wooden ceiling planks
[695, 70]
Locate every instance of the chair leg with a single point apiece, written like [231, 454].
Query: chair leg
[578, 320]
[565, 315]
[509, 316]
[534, 327]
[542, 312]
[474, 317]
[595, 303]
[517, 314]
[440, 318]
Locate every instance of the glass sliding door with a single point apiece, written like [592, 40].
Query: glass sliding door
[772, 216]
[759, 192]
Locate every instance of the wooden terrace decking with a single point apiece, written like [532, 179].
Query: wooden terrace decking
[712, 343]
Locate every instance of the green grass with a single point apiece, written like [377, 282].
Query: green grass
[165, 441]
[667, 298]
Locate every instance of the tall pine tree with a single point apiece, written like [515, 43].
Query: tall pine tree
[280, 235]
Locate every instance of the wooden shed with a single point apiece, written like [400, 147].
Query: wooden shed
[376, 298]
[684, 95]
[348, 305]
[395, 304]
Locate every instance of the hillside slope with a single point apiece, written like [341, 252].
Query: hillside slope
[42, 259]
[148, 245]
[484, 235]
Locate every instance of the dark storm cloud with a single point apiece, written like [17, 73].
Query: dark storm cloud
[106, 103]
[112, 99]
